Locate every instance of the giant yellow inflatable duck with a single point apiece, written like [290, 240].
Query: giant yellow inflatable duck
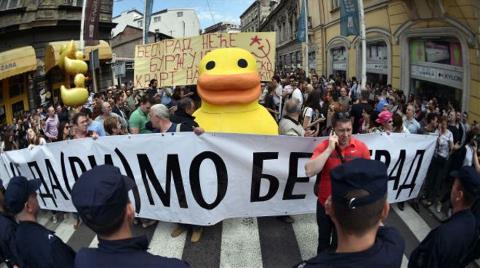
[72, 62]
[229, 86]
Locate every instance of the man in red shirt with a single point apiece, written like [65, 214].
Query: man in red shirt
[339, 148]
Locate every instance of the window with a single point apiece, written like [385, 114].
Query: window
[9, 4]
[140, 23]
[16, 86]
[180, 14]
[335, 4]
[18, 109]
[77, 3]
[157, 19]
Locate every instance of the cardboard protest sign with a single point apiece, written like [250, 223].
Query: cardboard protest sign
[174, 62]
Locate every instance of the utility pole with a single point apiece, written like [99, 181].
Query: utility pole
[307, 71]
[82, 26]
[363, 38]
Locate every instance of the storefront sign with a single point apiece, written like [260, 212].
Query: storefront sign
[449, 77]
[377, 67]
[7, 66]
[340, 66]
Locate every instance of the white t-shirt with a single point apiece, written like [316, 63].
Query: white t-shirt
[444, 143]
[277, 97]
[297, 94]
[468, 156]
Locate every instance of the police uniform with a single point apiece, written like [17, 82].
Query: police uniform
[100, 195]
[7, 237]
[7, 240]
[387, 251]
[450, 243]
[36, 246]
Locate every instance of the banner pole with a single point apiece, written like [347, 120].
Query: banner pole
[82, 26]
[364, 43]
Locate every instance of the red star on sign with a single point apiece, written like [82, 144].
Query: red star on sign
[255, 40]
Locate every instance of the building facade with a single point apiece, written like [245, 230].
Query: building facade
[123, 47]
[222, 27]
[425, 48]
[178, 23]
[255, 14]
[27, 30]
[283, 20]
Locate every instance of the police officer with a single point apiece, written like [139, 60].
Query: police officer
[448, 244]
[357, 206]
[7, 233]
[100, 196]
[36, 246]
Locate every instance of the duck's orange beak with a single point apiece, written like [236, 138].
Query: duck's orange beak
[228, 89]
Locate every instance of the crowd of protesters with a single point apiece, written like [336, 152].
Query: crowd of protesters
[302, 106]
[377, 109]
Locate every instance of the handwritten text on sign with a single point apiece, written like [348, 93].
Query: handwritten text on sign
[175, 61]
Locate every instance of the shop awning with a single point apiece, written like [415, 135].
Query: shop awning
[17, 61]
[52, 52]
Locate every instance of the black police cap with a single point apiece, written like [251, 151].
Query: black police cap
[101, 194]
[18, 190]
[359, 174]
[469, 178]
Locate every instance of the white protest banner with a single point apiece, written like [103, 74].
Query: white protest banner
[204, 179]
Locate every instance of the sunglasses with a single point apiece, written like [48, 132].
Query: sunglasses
[342, 115]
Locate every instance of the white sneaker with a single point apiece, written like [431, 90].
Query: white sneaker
[438, 207]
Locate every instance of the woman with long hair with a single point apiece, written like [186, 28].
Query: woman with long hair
[366, 122]
[311, 113]
[34, 138]
[64, 131]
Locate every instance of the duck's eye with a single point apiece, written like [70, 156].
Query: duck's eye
[210, 65]
[242, 63]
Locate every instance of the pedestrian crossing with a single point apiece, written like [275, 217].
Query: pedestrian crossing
[246, 242]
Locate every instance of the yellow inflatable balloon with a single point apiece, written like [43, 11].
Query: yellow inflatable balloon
[229, 86]
[72, 62]
[75, 66]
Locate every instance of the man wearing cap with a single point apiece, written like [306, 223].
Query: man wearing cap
[7, 233]
[340, 147]
[36, 246]
[100, 196]
[357, 206]
[448, 244]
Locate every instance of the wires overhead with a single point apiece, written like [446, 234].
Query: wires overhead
[210, 10]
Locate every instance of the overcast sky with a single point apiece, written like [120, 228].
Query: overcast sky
[221, 10]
